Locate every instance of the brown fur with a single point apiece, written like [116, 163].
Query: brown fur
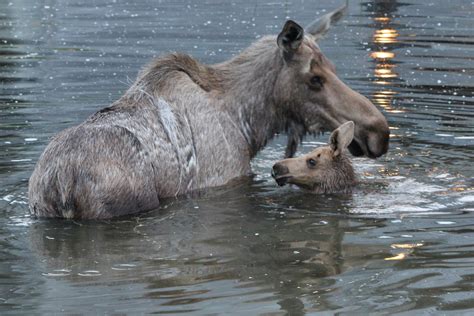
[155, 76]
[324, 170]
[184, 126]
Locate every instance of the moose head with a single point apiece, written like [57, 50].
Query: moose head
[313, 96]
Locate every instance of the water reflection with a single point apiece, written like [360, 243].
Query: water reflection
[404, 250]
[383, 42]
[246, 242]
[17, 77]
[386, 35]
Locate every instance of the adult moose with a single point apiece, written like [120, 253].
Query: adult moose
[184, 126]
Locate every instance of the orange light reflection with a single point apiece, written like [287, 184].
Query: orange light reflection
[385, 36]
[384, 70]
[384, 98]
[382, 19]
[382, 55]
[400, 256]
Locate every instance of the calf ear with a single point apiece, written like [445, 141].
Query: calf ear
[341, 138]
[290, 37]
[321, 26]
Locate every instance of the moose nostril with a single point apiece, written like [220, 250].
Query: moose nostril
[274, 171]
[279, 170]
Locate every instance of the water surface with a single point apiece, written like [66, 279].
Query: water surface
[402, 243]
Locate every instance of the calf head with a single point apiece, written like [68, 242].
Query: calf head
[324, 170]
[309, 92]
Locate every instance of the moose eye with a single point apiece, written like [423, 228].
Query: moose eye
[316, 81]
[311, 163]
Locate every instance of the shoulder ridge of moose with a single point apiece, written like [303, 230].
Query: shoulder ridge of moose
[184, 126]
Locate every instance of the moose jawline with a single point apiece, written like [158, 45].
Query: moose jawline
[282, 180]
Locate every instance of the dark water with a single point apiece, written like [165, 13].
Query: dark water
[402, 243]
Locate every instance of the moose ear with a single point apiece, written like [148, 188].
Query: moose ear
[290, 37]
[341, 137]
[320, 27]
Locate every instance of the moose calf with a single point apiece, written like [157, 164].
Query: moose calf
[324, 170]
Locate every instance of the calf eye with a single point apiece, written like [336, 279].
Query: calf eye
[316, 82]
[311, 163]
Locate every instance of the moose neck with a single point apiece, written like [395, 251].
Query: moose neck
[249, 81]
[244, 85]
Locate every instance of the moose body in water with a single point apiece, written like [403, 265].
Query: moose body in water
[324, 170]
[183, 126]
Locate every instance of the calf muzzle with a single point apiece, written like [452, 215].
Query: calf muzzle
[280, 174]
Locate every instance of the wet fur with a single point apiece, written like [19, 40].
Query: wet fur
[183, 126]
[324, 170]
[339, 178]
